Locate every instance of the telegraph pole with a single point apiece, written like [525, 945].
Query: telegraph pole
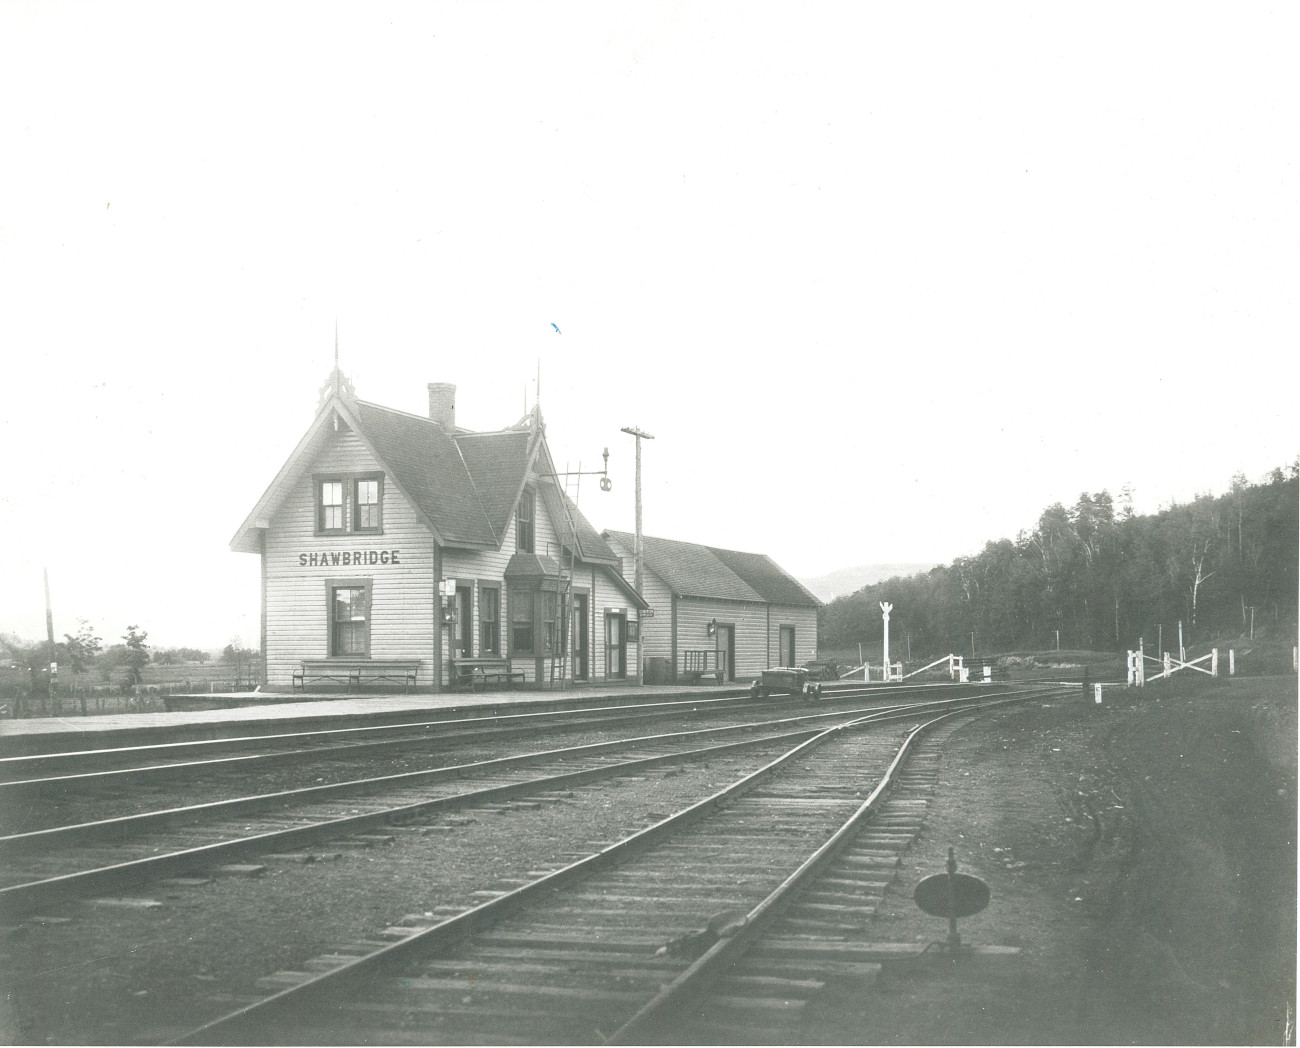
[53, 665]
[640, 435]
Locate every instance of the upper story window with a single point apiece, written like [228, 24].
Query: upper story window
[350, 503]
[524, 523]
[368, 504]
[329, 505]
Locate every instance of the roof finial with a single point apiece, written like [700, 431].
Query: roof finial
[337, 384]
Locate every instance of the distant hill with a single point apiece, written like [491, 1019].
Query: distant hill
[850, 580]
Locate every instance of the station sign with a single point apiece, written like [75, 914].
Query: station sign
[352, 558]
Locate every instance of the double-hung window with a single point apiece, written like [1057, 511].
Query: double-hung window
[350, 503]
[524, 523]
[367, 503]
[521, 620]
[349, 615]
[535, 623]
[329, 505]
[489, 613]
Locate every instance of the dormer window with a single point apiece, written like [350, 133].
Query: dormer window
[524, 523]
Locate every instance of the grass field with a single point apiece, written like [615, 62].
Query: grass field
[114, 695]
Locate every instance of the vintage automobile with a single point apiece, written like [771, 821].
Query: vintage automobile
[789, 680]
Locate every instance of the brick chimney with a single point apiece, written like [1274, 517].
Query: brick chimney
[442, 404]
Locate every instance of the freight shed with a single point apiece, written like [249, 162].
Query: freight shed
[717, 612]
[402, 550]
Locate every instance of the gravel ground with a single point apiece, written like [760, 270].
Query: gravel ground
[107, 801]
[98, 974]
[1142, 856]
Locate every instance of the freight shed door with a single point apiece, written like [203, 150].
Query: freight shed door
[615, 645]
[787, 645]
[726, 648]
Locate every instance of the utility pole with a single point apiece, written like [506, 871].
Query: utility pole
[53, 666]
[639, 552]
[640, 435]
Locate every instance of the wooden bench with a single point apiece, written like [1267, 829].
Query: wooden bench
[352, 672]
[480, 672]
[695, 664]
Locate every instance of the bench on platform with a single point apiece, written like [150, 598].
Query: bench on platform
[695, 664]
[352, 672]
[476, 673]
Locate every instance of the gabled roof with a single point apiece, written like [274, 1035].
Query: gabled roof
[427, 463]
[767, 577]
[497, 462]
[464, 486]
[692, 570]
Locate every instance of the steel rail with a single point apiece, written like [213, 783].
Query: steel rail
[22, 898]
[237, 1026]
[252, 804]
[527, 721]
[651, 1019]
[415, 734]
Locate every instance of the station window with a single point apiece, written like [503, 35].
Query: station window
[535, 621]
[329, 505]
[349, 617]
[524, 523]
[368, 503]
[521, 620]
[489, 614]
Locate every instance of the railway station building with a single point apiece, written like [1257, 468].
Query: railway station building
[402, 548]
[717, 612]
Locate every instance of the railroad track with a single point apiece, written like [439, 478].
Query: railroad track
[699, 925]
[161, 766]
[121, 799]
[45, 865]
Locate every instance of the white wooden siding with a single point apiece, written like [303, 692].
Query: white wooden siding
[402, 595]
[804, 621]
[405, 610]
[749, 618]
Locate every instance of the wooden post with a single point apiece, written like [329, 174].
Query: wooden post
[885, 609]
[1182, 652]
[1232, 662]
[1214, 662]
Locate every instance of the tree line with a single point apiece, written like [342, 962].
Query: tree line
[1102, 576]
[84, 653]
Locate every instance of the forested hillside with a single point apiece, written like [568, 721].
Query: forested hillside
[1103, 576]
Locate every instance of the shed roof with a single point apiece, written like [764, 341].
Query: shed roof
[693, 570]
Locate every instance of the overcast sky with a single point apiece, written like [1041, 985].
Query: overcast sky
[883, 280]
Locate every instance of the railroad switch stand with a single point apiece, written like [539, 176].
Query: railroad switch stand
[952, 895]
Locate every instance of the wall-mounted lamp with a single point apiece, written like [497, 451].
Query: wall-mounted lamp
[713, 627]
